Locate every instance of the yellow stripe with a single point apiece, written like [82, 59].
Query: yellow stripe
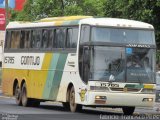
[39, 77]
[59, 23]
[63, 19]
[147, 86]
[47, 60]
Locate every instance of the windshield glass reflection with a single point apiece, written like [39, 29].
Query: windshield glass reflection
[122, 64]
[107, 63]
[140, 65]
[130, 36]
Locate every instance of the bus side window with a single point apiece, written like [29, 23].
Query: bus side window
[69, 37]
[85, 34]
[45, 40]
[15, 39]
[72, 38]
[59, 41]
[22, 39]
[8, 40]
[32, 42]
[55, 40]
[25, 37]
[51, 34]
[35, 39]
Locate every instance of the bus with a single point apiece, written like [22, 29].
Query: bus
[2, 36]
[158, 86]
[81, 61]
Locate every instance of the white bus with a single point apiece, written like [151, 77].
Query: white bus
[2, 37]
[81, 61]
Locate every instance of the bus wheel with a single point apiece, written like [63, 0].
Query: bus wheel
[128, 110]
[73, 106]
[17, 95]
[25, 101]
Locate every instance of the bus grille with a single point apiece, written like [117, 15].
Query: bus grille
[125, 89]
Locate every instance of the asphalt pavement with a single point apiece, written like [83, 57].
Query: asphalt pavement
[55, 111]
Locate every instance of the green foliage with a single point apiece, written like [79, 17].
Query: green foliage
[142, 10]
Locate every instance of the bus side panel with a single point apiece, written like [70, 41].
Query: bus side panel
[7, 82]
[38, 76]
[54, 76]
[9, 76]
[71, 75]
[12, 71]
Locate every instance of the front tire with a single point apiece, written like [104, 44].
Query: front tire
[73, 106]
[128, 110]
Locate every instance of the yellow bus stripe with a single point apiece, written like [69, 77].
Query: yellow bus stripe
[35, 79]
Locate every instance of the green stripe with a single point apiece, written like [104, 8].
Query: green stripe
[134, 86]
[51, 73]
[58, 76]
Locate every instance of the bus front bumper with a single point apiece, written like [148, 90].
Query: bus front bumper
[120, 99]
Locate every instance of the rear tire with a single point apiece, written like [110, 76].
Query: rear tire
[25, 101]
[128, 110]
[17, 95]
[73, 106]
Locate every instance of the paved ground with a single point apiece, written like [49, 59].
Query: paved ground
[54, 111]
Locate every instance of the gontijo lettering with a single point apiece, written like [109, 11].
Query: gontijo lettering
[30, 60]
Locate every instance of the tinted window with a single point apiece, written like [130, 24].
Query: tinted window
[72, 38]
[117, 35]
[36, 39]
[25, 37]
[51, 34]
[15, 39]
[45, 40]
[59, 41]
[85, 34]
[8, 39]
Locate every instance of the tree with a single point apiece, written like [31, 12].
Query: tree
[142, 10]
[37, 9]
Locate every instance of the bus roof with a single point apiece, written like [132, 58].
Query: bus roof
[76, 20]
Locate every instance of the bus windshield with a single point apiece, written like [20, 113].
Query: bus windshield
[158, 78]
[121, 64]
[122, 35]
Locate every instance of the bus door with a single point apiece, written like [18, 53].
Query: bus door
[85, 63]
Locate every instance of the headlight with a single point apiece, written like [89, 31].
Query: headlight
[100, 99]
[147, 100]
